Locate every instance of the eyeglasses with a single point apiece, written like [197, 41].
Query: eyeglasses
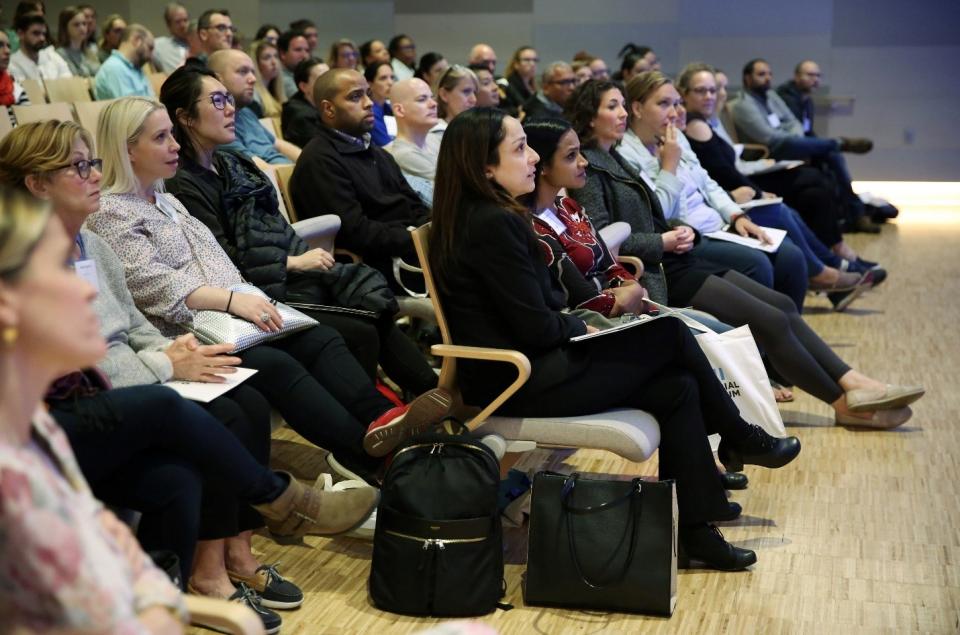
[704, 90]
[84, 167]
[220, 100]
[223, 28]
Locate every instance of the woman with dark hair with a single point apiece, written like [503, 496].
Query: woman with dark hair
[113, 28]
[373, 51]
[632, 64]
[498, 292]
[268, 33]
[237, 202]
[615, 191]
[431, 68]
[403, 56]
[380, 78]
[72, 43]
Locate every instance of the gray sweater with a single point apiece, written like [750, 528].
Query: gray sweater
[750, 116]
[134, 346]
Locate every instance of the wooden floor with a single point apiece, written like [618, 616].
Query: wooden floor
[861, 534]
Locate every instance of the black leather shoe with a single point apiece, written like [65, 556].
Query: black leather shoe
[734, 480]
[732, 512]
[703, 546]
[758, 448]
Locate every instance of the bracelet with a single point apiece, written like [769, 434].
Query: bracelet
[227, 310]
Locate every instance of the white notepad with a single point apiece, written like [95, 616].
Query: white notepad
[206, 392]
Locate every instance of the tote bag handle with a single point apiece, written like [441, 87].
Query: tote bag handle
[633, 496]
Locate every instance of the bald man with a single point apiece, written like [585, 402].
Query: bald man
[484, 55]
[415, 110]
[236, 70]
[341, 172]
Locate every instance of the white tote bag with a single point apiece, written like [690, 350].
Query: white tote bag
[736, 361]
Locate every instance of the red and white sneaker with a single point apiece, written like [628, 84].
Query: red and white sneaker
[402, 422]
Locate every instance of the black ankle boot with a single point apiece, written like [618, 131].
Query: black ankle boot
[705, 545]
[732, 512]
[758, 448]
[734, 480]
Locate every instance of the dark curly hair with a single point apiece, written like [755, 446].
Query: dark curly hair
[581, 109]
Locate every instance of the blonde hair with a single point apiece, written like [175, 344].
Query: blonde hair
[38, 147]
[642, 85]
[23, 220]
[449, 81]
[120, 125]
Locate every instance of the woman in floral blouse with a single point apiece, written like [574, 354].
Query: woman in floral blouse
[65, 562]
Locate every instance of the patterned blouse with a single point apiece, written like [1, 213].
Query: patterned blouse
[578, 257]
[58, 567]
[167, 254]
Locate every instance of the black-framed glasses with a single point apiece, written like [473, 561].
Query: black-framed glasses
[84, 167]
[223, 28]
[220, 100]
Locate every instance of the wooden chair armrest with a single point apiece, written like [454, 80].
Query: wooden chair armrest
[518, 359]
[632, 262]
[754, 151]
[227, 617]
[349, 254]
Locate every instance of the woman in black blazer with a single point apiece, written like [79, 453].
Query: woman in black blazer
[498, 292]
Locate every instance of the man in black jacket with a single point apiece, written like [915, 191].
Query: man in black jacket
[300, 119]
[340, 172]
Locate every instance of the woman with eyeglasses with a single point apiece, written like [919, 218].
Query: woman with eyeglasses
[113, 28]
[521, 76]
[344, 54]
[140, 445]
[456, 92]
[175, 266]
[379, 76]
[616, 191]
[803, 188]
[226, 191]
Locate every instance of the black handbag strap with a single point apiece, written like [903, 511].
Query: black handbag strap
[633, 495]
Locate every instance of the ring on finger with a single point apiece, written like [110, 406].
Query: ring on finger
[264, 317]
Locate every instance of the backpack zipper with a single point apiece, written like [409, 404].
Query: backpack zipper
[439, 542]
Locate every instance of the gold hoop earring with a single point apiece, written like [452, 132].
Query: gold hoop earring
[10, 335]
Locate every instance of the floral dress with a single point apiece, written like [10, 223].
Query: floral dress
[59, 568]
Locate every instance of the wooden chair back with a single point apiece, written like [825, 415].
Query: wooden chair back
[42, 112]
[5, 125]
[283, 174]
[156, 80]
[35, 91]
[88, 114]
[271, 173]
[68, 89]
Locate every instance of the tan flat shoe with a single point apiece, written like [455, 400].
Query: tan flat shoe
[888, 398]
[881, 419]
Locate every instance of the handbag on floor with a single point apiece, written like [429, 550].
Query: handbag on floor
[220, 327]
[604, 545]
[438, 545]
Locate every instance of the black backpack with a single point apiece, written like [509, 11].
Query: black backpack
[438, 545]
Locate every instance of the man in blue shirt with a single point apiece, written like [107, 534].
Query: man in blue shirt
[236, 70]
[122, 74]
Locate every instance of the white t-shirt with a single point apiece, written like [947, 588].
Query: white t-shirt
[49, 65]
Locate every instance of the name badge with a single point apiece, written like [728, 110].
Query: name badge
[773, 119]
[87, 269]
[807, 124]
[551, 219]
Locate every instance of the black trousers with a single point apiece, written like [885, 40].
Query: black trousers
[812, 194]
[166, 452]
[319, 388]
[657, 367]
[379, 341]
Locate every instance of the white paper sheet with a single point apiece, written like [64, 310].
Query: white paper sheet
[775, 235]
[205, 392]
